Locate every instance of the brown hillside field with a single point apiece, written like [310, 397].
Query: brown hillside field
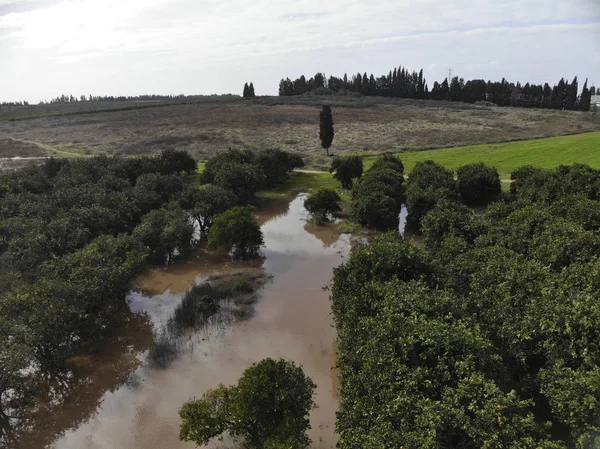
[362, 125]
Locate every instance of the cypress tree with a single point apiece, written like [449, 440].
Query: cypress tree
[251, 90]
[326, 132]
[245, 94]
[571, 95]
[586, 98]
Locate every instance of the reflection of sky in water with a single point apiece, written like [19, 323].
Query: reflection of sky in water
[287, 242]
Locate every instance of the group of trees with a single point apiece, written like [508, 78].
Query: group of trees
[248, 90]
[75, 233]
[488, 336]
[62, 99]
[404, 84]
[243, 172]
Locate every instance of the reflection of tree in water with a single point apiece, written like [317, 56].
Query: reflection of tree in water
[213, 304]
[272, 208]
[67, 399]
[327, 232]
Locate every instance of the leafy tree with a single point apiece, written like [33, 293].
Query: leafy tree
[277, 165]
[268, 408]
[478, 184]
[208, 201]
[346, 169]
[176, 161]
[326, 132]
[388, 161]
[237, 231]
[165, 233]
[428, 183]
[323, 202]
[448, 218]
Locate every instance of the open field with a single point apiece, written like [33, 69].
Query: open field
[544, 153]
[362, 125]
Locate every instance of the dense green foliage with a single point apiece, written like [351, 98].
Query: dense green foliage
[346, 169]
[378, 195]
[268, 409]
[206, 202]
[238, 232]
[427, 184]
[323, 202]
[73, 234]
[326, 131]
[478, 184]
[244, 172]
[486, 338]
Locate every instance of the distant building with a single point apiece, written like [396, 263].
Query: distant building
[595, 103]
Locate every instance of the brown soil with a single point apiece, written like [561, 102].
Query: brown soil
[361, 125]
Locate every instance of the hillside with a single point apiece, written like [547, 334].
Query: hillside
[370, 124]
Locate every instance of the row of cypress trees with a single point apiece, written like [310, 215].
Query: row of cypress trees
[402, 83]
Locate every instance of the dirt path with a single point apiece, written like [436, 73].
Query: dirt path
[49, 148]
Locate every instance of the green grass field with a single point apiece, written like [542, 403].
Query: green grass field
[545, 153]
[303, 182]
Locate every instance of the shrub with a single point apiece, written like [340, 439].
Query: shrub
[346, 169]
[378, 195]
[323, 202]
[478, 184]
[237, 231]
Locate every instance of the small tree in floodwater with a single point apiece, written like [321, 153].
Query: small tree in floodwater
[326, 132]
[237, 231]
[322, 202]
[268, 408]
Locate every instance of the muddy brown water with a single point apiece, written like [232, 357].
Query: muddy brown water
[292, 320]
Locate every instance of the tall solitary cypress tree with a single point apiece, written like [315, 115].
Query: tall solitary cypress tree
[326, 128]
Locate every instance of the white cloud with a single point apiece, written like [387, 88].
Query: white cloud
[184, 37]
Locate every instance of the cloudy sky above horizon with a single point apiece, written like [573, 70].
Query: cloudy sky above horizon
[132, 47]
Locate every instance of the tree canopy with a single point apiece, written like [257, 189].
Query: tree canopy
[268, 408]
[346, 168]
[487, 337]
[322, 202]
[238, 232]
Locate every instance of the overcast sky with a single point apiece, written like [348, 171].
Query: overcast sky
[131, 47]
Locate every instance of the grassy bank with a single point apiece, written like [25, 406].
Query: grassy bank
[545, 153]
[303, 182]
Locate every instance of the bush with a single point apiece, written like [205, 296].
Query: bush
[237, 231]
[323, 202]
[277, 165]
[447, 218]
[428, 183]
[478, 184]
[378, 195]
[346, 168]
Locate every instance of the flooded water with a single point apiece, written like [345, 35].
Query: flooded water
[17, 162]
[292, 320]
